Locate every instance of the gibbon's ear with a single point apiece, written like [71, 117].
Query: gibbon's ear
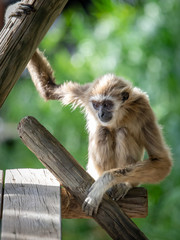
[124, 95]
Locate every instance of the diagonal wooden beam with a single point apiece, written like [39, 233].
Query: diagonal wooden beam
[74, 178]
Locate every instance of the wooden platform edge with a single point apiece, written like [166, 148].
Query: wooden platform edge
[31, 205]
[1, 192]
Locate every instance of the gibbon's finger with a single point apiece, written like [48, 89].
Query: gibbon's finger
[90, 206]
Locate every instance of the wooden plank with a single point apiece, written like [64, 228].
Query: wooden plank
[134, 204]
[1, 191]
[31, 205]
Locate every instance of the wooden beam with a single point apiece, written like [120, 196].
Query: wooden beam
[1, 191]
[31, 206]
[72, 176]
[134, 204]
[19, 39]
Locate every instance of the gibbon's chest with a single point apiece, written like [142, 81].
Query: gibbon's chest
[118, 146]
[106, 136]
[114, 139]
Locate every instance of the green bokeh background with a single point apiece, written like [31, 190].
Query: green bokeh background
[140, 42]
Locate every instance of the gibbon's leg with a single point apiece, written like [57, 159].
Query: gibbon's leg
[153, 170]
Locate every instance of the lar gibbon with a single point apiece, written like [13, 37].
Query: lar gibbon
[120, 122]
[121, 125]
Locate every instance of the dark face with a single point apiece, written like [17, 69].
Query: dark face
[104, 109]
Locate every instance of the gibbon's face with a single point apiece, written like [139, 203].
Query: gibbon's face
[108, 96]
[103, 109]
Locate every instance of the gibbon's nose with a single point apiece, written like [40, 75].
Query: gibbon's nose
[105, 116]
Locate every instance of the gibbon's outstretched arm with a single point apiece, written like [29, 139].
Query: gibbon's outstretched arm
[43, 78]
[152, 170]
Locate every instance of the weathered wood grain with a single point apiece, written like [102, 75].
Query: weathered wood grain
[31, 205]
[19, 39]
[134, 204]
[1, 191]
[72, 176]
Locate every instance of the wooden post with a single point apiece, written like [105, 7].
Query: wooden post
[31, 206]
[19, 39]
[72, 176]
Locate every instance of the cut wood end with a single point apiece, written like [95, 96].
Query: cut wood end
[23, 122]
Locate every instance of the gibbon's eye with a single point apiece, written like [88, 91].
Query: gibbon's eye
[95, 105]
[125, 96]
[108, 105]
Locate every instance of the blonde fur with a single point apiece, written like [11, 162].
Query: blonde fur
[116, 147]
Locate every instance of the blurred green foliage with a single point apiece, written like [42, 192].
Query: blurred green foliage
[141, 43]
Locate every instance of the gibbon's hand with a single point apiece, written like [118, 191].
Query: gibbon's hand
[96, 192]
[93, 200]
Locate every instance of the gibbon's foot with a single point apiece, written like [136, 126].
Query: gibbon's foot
[118, 191]
[22, 8]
